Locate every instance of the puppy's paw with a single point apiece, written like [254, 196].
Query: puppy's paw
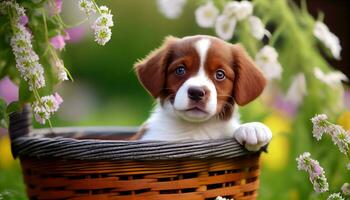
[253, 135]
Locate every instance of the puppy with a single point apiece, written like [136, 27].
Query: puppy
[197, 81]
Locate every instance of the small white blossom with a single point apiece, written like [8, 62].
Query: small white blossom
[345, 188]
[27, 61]
[245, 11]
[4, 5]
[335, 196]
[319, 125]
[257, 28]
[328, 38]
[206, 15]
[332, 78]
[225, 27]
[340, 137]
[297, 90]
[171, 8]
[45, 107]
[266, 59]
[104, 9]
[315, 171]
[102, 25]
[103, 35]
[61, 70]
[87, 6]
[238, 10]
[105, 20]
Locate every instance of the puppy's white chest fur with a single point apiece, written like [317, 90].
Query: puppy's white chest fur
[165, 125]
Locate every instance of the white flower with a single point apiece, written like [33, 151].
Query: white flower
[105, 20]
[297, 90]
[331, 78]
[101, 25]
[346, 189]
[266, 59]
[4, 5]
[103, 35]
[315, 171]
[319, 125]
[245, 11]
[87, 6]
[27, 61]
[104, 9]
[335, 196]
[257, 28]
[46, 106]
[231, 8]
[225, 27]
[61, 70]
[340, 137]
[302, 165]
[171, 8]
[206, 15]
[330, 40]
[238, 10]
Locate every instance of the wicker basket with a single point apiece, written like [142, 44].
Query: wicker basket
[99, 163]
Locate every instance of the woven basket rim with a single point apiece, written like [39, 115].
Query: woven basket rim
[58, 143]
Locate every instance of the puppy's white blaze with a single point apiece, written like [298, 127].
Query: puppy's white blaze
[202, 47]
[181, 102]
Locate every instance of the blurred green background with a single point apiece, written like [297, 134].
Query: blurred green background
[106, 92]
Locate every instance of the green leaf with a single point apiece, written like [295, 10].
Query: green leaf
[3, 114]
[25, 95]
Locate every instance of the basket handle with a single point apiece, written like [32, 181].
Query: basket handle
[20, 124]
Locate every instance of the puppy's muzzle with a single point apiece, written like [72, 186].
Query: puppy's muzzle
[196, 93]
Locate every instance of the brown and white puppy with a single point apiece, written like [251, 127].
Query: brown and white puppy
[197, 80]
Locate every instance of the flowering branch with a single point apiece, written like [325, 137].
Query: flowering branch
[340, 137]
[315, 171]
[32, 73]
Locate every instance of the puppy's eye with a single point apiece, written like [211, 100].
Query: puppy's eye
[220, 75]
[180, 70]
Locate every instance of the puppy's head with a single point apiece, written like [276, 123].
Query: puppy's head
[200, 77]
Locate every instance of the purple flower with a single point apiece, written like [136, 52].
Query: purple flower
[288, 107]
[58, 98]
[315, 171]
[23, 20]
[340, 137]
[8, 90]
[58, 6]
[347, 98]
[39, 119]
[55, 8]
[58, 42]
[76, 33]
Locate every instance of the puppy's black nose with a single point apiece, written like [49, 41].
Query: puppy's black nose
[195, 93]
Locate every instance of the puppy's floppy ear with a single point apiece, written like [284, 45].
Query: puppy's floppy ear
[151, 70]
[249, 81]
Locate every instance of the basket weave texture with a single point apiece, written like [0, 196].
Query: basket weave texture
[98, 163]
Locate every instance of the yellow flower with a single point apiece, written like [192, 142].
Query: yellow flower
[278, 151]
[6, 159]
[344, 120]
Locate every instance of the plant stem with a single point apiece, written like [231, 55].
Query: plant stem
[96, 6]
